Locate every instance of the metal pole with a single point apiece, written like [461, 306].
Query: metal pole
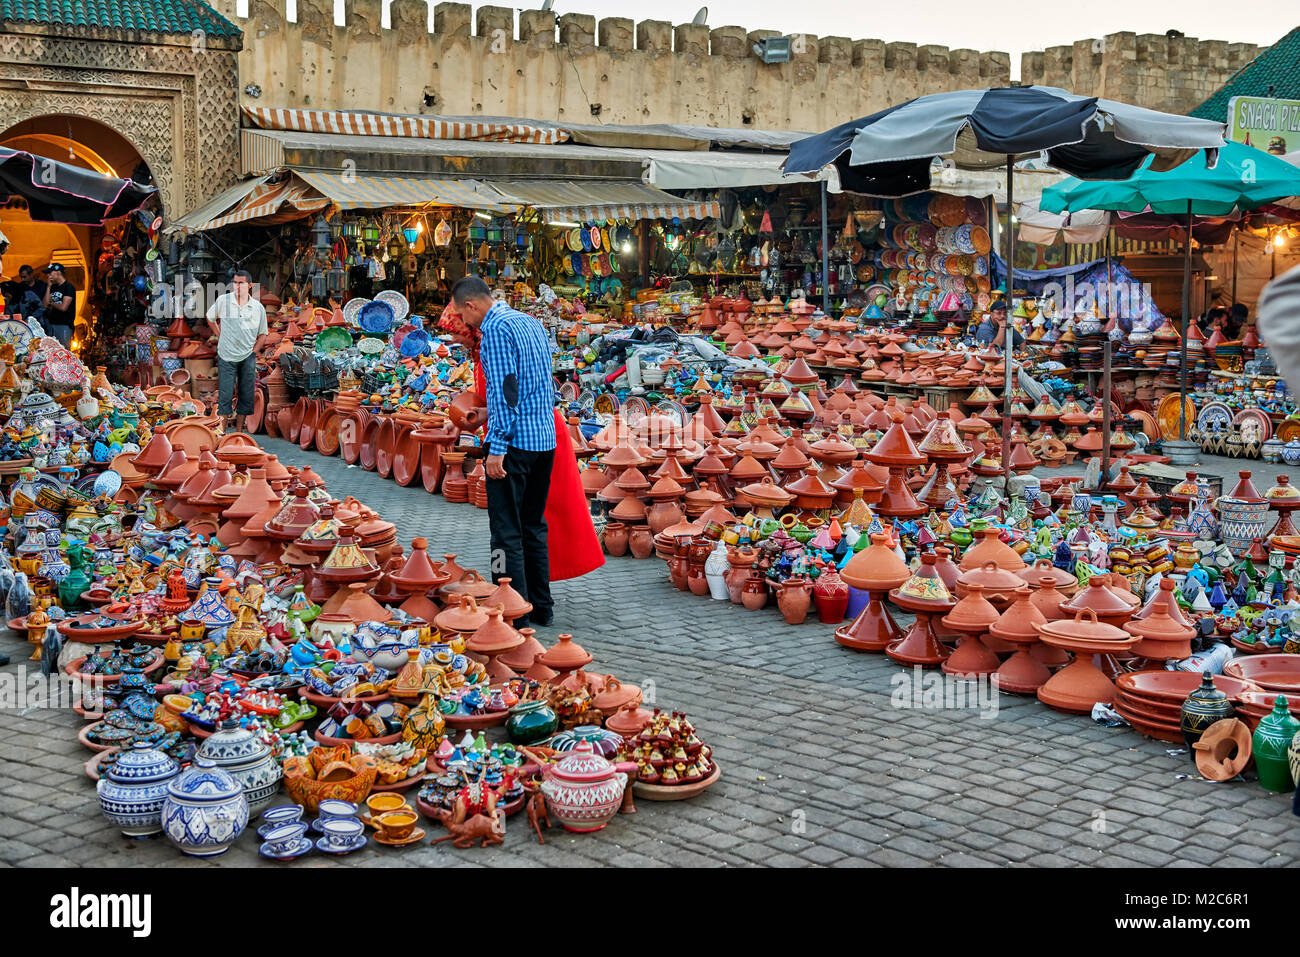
[1008, 339]
[1187, 319]
[1236, 244]
[1105, 374]
[826, 258]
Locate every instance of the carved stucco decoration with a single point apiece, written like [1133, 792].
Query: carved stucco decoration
[176, 105]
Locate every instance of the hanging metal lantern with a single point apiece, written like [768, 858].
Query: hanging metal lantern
[336, 279]
[395, 248]
[411, 233]
[442, 233]
[321, 234]
[351, 229]
[370, 232]
[201, 258]
[319, 286]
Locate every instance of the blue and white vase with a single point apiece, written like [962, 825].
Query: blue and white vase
[1291, 452]
[205, 810]
[132, 790]
[246, 758]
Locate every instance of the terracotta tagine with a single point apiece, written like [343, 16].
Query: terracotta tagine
[1080, 684]
[875, 570]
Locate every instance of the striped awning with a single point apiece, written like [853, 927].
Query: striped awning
[588, 201]
[273, 202]
[377, 191]
[383, 124]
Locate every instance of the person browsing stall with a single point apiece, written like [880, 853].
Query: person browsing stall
[516, 358]
[60, 302]
[239, 321]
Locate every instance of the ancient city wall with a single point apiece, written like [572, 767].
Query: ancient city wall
[575, 68]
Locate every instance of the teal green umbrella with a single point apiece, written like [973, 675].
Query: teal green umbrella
[1244, 178]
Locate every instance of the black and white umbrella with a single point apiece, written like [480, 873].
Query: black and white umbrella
[58, 192]
[891, 153]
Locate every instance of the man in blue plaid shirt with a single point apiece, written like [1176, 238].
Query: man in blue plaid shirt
[516, 358]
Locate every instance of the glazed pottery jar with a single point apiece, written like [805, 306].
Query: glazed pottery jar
[1204, 706]
[831, 596]
[205, 810]
[424, 724]
[715, 571]
[531, 722]
[754, 593]
[1241, 522]
[133, 789]
[1271, 743]
[583, 790]
[247, 759]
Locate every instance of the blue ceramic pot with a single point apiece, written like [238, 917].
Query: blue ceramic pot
[133, 789]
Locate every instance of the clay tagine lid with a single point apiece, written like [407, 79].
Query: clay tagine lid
[565, 655]
[513, 604]
[418, 572]
[494, 636]
[464, 616]
[877, 567]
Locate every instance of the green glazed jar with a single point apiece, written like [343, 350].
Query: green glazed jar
[531, 722]
[1270, 744]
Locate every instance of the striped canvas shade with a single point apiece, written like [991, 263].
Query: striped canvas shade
[380, 124]
[377, 191]
[561, 201]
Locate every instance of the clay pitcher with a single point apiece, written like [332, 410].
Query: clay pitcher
[677, 567]
[641, 541]
[616, 539]
[793, 598]
[754, 595]
[741, 561]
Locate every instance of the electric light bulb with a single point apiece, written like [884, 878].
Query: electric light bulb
[1280, 239]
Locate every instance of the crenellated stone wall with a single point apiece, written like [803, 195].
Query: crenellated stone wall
[576, 68]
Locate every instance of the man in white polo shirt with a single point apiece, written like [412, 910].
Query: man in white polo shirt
[239, 321]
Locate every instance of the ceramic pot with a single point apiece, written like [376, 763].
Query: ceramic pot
[424, 724]
[583, 790]
[133, 789]
[739, 561]
[531, 722]
[616, 539]
[205, 810]
[754, 593]
[640, 540]
[247, 759]
[1293, 757]
[1204, 706]
[1271, 744]
[678, 566]
[1241, 522]
[831, 596]
[715, 572]
[793, 598]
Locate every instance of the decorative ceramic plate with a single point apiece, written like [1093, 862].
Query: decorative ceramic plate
[1258, 416]
[415, 343]
[333, 339]
[587, 402]
[1167, 415]
[1147, 422]
[107, 483]
[396, 301]
[370, 346]
[569, 391]
[1214, 415]
[635, 408]
[605, 404]
[674, 410]
[1288, 429]
[17, 332]
[352, 309]
[376, 317]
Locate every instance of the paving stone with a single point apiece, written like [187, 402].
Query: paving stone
[875, 785]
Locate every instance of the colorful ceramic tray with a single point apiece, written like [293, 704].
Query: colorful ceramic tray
[1258, 416]
[1167, 415]
[397, 302]
[676, 792]
[1288, 429]
[352, 309]
[1214, 415]
[333, 339]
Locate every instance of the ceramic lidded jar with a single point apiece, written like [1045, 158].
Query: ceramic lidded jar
[132, 789]
[246, 758]
[531, 722]
[1270, 744]
[1204, 706]
[205, 810]
[583, 790]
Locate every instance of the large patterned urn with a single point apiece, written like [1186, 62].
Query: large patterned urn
[1241, 522]
[205, 810]
[583, 790]
[132, 789]
[246, 758]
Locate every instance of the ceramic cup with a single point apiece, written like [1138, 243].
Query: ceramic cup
[341, 832]
[397, 825]
[332, 808]
[282, 814]
[283, 838]
[382, 802]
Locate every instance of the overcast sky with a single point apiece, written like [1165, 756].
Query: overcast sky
[1011, 26]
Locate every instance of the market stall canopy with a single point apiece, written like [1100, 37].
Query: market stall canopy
[350, 123]
[1029, 181]
[356, 190]
[273, 202]
[1091, 225]
[198, 219]
[560, 201]
[61, 193]
[890, 153]
[1244, 178]
[698, 169]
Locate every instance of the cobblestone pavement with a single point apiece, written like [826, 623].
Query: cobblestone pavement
[818, 767]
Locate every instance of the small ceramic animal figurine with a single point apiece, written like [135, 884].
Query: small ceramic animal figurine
[486, 830]
[535, 808]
